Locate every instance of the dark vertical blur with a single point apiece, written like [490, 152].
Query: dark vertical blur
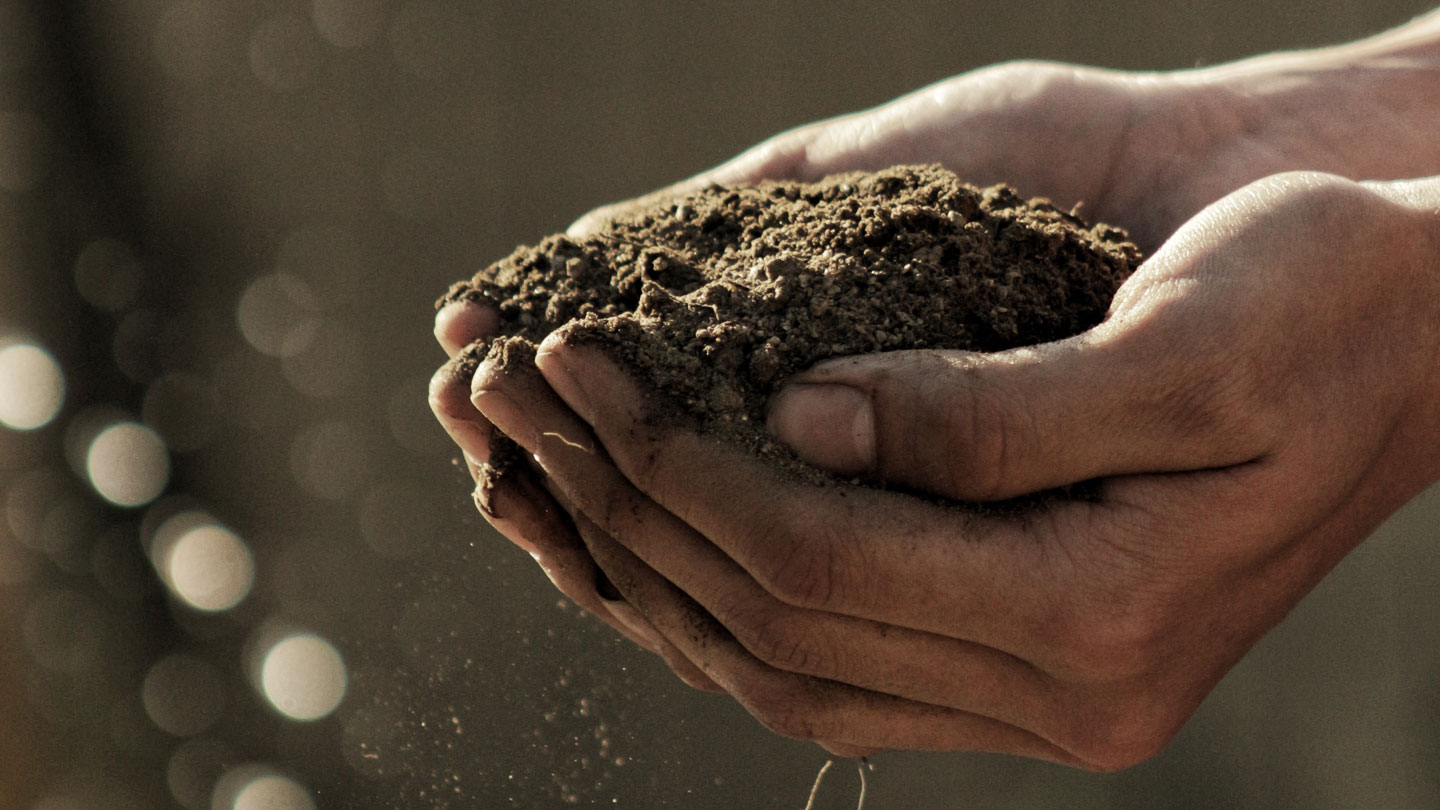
[238, 567]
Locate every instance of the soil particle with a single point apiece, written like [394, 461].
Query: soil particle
[714, 299]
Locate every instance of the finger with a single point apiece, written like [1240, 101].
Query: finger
[801, 706]
[982, 427]
[626, 615]
[989, 578]
[894, 660]
[450, 402]
[581, 570]
[525, 513]
[462, 322]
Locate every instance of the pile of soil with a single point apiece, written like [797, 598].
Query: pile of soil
[715, 298]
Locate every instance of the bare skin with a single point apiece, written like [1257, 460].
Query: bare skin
[1261, 396]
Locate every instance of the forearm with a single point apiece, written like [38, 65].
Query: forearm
[1364, 110]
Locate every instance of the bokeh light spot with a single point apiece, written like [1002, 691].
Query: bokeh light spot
[127, 464]
[303, 677]
[183, 695]
[259, 787]
[208, 567]
[278, 315]
[32, 387]
[273, 793]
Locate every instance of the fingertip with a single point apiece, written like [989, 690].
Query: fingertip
[450, 402]
[462, 322]
[553, 343]
[572, 371]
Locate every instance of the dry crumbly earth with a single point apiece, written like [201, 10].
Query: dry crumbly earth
[713, 299]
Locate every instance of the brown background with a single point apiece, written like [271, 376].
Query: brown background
[379, 149]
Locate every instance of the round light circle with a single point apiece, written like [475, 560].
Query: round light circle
[209, 568]
[303, 677]
[273, 793]
[31, 387]
[127, 464]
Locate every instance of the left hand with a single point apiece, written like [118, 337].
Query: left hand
[1261, 396]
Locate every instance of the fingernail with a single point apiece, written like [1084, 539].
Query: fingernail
[606, 589]
[829, 425]
[562, 379]
[504, 414]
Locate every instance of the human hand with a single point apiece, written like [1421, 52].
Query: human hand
[1144, 151]
[519, 504]
[1261, 396]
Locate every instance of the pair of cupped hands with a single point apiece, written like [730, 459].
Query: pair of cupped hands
[1261, 395]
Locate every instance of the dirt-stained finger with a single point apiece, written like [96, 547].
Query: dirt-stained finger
[801, 706]
[462, 322]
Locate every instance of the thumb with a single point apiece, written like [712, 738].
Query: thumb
[992, 426]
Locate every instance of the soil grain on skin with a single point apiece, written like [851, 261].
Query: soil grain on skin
[715, 298]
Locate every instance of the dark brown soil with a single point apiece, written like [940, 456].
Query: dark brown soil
[716, 298]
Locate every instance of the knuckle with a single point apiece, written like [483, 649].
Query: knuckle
[1217, 397]
[801, 572]
[449, 391]
[1224, 401]
[1111, 646]
[1123, 733]
[787, 711]
[785, 643]
[982, 427]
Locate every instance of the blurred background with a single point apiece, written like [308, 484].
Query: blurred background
[239, 566]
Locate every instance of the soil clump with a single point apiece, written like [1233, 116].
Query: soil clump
[714, 299]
